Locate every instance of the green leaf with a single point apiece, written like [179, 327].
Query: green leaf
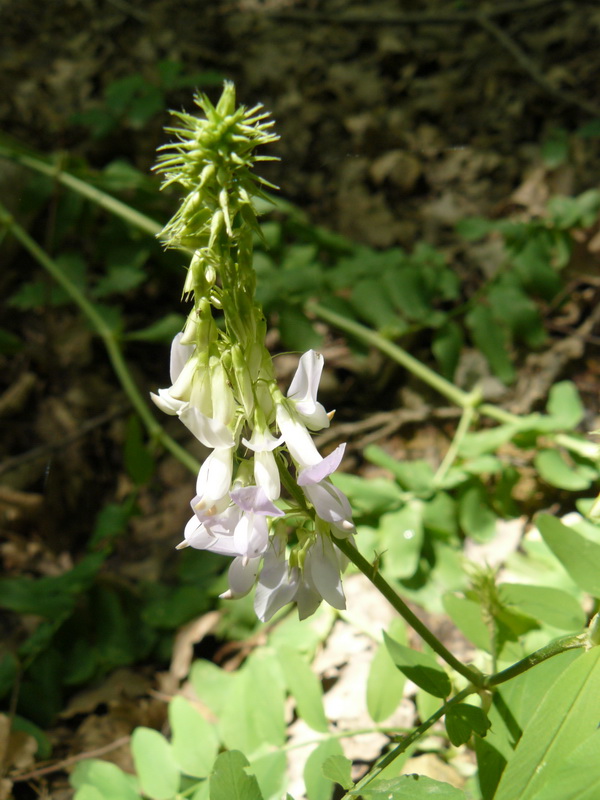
[577, 777]
[420, 668]
[462, 720]
[552, 606]
[107, 779]
[554, 470]
[318, 787]
[474, 228]
[296, 330]
[164, 330]
[566, 717]
[489, 337]
[412, 787]
[212, 684]
[564, 405]
[475, 444]
[230, 781]
[512, 707]
[402, 538]
[513, 308]
[414, 476]
[446, 346]
[270, 772]
[369, 496]
[154, 763]
[578, 555]
[50, 597]
[139, 462]
[118, 280]
[337, 769]
[475, 516]
[305, 688]
[466, 615]
[245, 724]
[195, 742]
[372, 303]
[385, 684]
[439, 516]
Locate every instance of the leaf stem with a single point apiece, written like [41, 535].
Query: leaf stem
[554, 648]
[437, 382]
[106, 201]
[406, 743]
[473, 676]
[155, 430]
[462, 429]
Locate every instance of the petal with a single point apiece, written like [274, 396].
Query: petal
[323, 469]
[330, 504]
[180, 353]
[210, 432]
[266, 474]
[199, 538]
[254, 499]
[166, 403]
[273, 591]
[305, 383]
[276, 585]
[214, 478]
[298, 440]
[322, 570]
[242, 575]
[251, 536]
[307, 599]
[262, 440]
[303, 391]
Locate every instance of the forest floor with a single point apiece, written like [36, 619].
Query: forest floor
[397, 120]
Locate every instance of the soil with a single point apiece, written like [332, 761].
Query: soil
[396, 121]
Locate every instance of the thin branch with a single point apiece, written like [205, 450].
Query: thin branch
[45, 450]
[509, 44]
[426, 18]
[67, 762]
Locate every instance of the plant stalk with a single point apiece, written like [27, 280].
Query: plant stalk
[554, 648]
[392, 596]
[155, 430]
[406, 743]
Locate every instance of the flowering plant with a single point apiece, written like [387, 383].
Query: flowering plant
[224, 388]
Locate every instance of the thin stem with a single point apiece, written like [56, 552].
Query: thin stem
[391, 595]
[450, 457]
[548, 651]
[107, 201]
[406, 743]
[155, 430]
[437, 382]
[444, 387]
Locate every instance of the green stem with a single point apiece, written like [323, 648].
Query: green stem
[406, 743]
[111, 343]
[437, 382]
[391, 595]
[97, 196]
[450, 457]
[548, 651]
[444, 387]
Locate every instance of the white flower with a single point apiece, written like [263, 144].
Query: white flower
[266, 474]
[200, 396]
[298, 440]
[303, 391]
[330, 503]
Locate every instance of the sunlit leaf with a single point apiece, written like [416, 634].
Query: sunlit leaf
[566, 717]
[230, 781]
[154, 763]
[578, 555]
[420, 668]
